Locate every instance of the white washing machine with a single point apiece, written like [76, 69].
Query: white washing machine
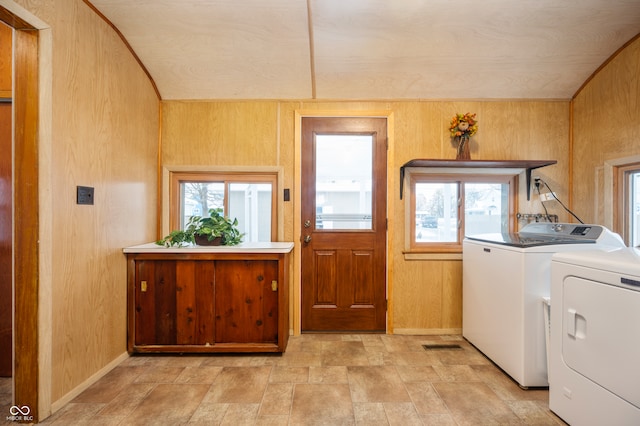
[504, 280]
[594, 378]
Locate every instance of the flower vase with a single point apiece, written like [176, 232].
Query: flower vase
[463, 148]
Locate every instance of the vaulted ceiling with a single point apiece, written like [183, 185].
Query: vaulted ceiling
[372, 49]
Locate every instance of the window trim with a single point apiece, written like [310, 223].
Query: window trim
[610, 189]
[237, 174]
[415, 250]
[621, 214]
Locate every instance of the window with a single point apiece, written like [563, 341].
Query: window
[248, 197]
[445, 208]
[344, 183]
[628, 214]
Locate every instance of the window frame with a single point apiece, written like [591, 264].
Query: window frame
[621, 214]
[504, 176]
[176, 177]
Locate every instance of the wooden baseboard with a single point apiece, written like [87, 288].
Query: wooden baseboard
[427, 331]
[55, 406]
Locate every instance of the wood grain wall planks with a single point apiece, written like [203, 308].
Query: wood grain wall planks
[427, 295]
[102, 131]
[605, 127]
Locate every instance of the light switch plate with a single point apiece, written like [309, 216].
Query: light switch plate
[84, 195]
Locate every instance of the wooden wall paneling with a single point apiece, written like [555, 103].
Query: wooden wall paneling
[219, 133]
[604, 116]
[417, 296]
[508, 130]
[104, 132]
[452, 295]
[105, 135]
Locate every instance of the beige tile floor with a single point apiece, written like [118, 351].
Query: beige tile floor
[322, 379]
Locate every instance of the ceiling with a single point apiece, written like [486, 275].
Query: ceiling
[372, 49]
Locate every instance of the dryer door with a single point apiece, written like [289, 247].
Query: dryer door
[601, 335]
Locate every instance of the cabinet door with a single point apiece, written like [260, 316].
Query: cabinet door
[194, 302]
[155, 296]
[174, 302]
[246, 303]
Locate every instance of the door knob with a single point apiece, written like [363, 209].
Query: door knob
[307, 238]
[307, 223]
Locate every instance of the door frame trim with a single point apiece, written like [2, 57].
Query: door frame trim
[33, 256]
[296, 288]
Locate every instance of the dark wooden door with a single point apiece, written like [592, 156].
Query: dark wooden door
[344, 224]
[6, 245]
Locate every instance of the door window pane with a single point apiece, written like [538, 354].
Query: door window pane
[343, 181]
[436, 212]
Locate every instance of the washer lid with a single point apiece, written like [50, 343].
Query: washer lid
[547, 234]
[524, 240]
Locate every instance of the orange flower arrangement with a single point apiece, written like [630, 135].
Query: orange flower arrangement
[463, 125]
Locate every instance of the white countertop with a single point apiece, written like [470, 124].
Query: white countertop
[272, 247]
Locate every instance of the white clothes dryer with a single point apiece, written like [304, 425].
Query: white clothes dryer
[594, 350]
[504, 280]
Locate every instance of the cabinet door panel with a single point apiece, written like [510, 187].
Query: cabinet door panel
[156, 304]
[165, 298]
[246, 305]
[185, 302]
[145, 304]
[205, 330]
[194, 299]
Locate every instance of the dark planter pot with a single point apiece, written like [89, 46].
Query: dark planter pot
[202, 240]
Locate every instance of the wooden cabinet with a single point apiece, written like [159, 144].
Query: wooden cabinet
[208, 300]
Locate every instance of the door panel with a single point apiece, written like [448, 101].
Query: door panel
[344, 224]
[6, 244]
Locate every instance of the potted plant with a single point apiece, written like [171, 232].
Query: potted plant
[212, 230]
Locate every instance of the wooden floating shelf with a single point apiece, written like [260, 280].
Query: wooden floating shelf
[526, 165]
